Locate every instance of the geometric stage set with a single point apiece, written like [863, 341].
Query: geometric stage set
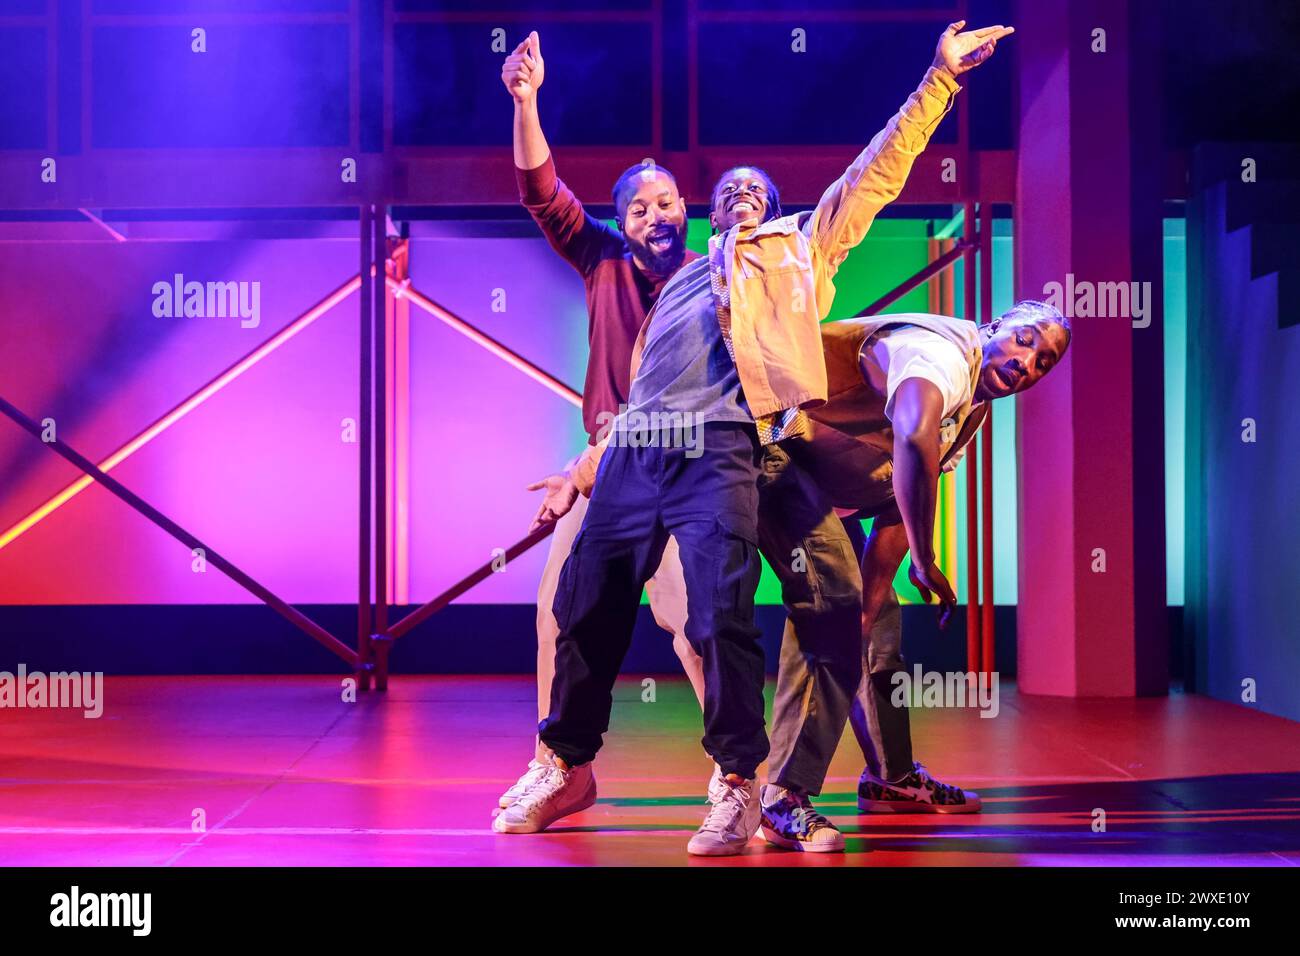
[1096, 198]
[369, 660]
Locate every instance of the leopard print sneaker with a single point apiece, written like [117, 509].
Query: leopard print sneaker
[918, 792]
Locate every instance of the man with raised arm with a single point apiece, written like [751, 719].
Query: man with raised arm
[624, 269]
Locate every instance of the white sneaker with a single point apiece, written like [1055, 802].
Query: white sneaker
[555, 794]
[534, 773]
[716, 783]
[732, 821]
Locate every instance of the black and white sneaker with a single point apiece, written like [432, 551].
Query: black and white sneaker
[791, 821]
[918, 792]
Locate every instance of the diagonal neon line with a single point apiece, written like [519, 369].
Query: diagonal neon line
[183, 409]
[117, 236]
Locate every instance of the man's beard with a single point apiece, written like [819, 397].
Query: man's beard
[660, 263]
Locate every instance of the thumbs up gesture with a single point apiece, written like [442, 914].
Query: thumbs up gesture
[524, 69]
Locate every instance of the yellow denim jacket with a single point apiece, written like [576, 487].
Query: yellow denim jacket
[779, 273]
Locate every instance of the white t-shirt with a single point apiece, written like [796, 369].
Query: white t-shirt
[898, 354]
[913, 352]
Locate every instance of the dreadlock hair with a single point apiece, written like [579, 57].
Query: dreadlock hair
[1037, 311]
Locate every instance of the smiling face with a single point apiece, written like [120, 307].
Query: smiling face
[743, 193]
[1020, 347]
[652, 215]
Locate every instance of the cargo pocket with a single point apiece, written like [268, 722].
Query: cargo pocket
[798, 577]
[820, 573]
[834, 567]
[738, 569]
[562, 605]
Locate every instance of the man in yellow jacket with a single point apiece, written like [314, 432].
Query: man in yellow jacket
[725, 365]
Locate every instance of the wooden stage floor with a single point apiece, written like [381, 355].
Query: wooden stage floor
[285, 773]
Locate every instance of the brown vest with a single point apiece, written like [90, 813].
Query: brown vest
[849, 448]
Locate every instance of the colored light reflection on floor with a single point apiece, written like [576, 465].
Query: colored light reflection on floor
[285, 773]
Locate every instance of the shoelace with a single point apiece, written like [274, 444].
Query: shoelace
[923, 775]
[725, 809]
[812, 820]
[542, 789]
[533, 774]
[716, 786]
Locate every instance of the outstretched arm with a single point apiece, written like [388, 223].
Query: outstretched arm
[874, 180]
[522, 74]
[578, 237]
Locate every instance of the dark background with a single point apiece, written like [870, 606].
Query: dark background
[1229, 73]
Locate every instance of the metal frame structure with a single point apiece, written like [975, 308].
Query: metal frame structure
[378, 301]
[975, 250]
[93, 178]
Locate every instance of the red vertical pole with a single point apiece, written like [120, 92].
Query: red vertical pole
[400, 429]
[932, 288]
[947, 301]
[380, 293]
[947, 305]
[363, 436]
[987, 606]
[972, 470]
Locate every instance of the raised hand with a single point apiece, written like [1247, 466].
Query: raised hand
[524, 69]
[958, 52]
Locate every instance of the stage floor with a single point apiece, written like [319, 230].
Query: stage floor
[285, 773]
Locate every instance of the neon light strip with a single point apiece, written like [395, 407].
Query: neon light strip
[404, 290]
[183, 409]
[949, 229]
[400, 419]
[117, 236]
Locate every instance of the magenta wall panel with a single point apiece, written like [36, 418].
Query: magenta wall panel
[260, 471]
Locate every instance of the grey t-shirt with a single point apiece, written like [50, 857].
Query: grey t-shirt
[685, 366]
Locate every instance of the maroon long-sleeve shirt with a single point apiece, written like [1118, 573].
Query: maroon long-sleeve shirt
[619, 295]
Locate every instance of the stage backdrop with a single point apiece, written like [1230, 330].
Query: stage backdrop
[1243, 436]
[265, 469]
